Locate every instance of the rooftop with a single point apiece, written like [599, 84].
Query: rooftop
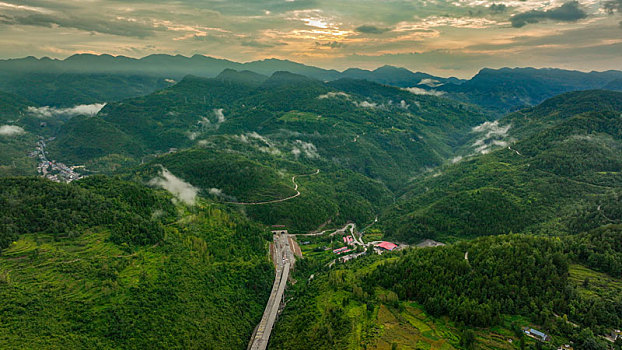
[387, 245]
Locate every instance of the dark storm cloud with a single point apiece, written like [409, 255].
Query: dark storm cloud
[93, 24]
[332, 44]
[612, 6]
[498, 8]
[568, 12]
[368, 29]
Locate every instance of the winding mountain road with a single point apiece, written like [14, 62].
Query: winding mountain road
[282, 199]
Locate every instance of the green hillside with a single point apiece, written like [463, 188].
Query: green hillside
[105, 263]
[16, 142]
[434, 298]
[569, 162]
[64, 89]
[242, 176]
[381, 132]
[83, 138]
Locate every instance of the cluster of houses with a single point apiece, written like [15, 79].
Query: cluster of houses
[349, 240]
[54, 171]
[342, 250]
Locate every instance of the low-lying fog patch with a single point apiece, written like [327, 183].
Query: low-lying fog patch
[430, 82]
[491, 134]
[261, 143]
[333, 95]
[367, 104]
[182, 190]
[420, 91]
[11, 130]
[48, 112]
[306, 148]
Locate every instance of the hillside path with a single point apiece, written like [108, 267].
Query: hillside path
[282, 199]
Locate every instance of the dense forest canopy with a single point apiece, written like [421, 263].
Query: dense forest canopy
[163, 240]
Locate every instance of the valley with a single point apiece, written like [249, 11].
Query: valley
[270, 209]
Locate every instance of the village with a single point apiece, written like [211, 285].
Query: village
[52, 170]
[343, 244]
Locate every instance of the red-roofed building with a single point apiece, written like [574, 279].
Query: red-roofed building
[387, 245]
[339, 250]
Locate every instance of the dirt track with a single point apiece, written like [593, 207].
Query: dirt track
[282, 199]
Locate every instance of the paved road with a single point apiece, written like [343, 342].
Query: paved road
[282, 199]
[351, 226]
[284, 261]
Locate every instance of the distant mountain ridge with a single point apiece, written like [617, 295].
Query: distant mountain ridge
[178, 66]
[88, 78]
[509, 89]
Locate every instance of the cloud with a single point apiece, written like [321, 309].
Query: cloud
[333, 95]
[220, 193]
[430, 82]
[492, 134]
[330, 44]
[306, 148]
[419, 91]
[366, 104]
[261, 143]
[568, 12]
[11, 130]
[219, 115]
[431, 36]
[48, 112]
[455, 160]
[612, 6]
[261, 44]
[215, 191]
[369, 29]
[129, 27]
[404, 105]
[492, 129]
[182, 190]
[498, 8]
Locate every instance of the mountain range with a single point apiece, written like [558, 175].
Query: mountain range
[87, 78]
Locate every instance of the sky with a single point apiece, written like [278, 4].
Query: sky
[447, 38]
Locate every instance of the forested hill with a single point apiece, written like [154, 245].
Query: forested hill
[469, 295]
[382, 132]
[242, 174]
[107, 263]
[507, 89]
[559, 171]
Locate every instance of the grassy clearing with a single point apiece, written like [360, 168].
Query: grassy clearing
[597, 283]
[296, 116]
[409, 327]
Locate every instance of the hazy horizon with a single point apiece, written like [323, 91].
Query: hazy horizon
[369, 68]
[447, 38]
